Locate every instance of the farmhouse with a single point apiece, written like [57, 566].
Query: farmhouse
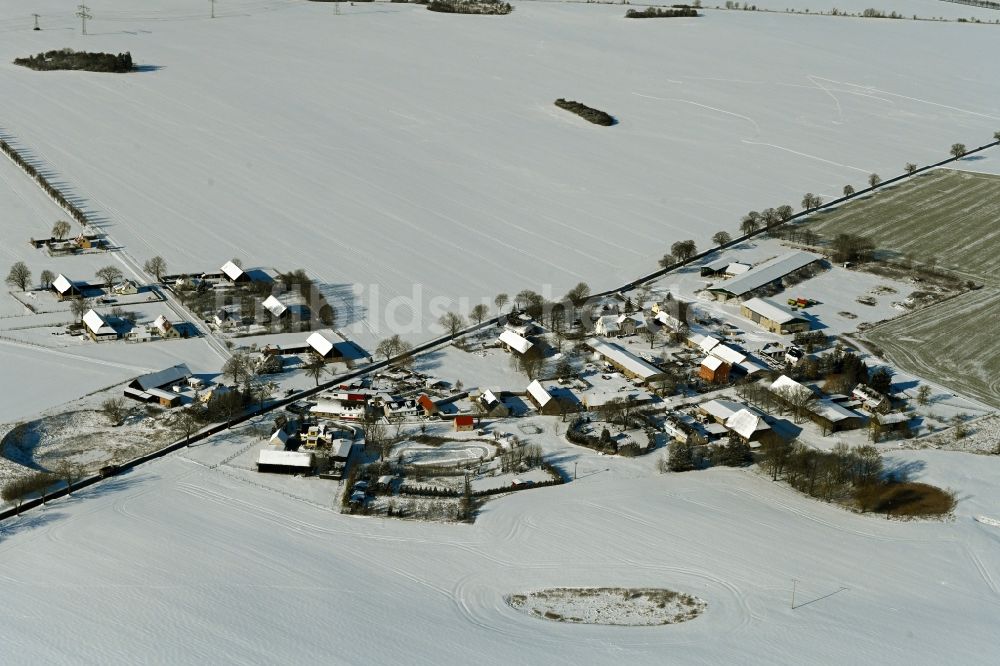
[98, 328]
[464, 423]
[543, 401]
[427, 405]
[720, 409]
[277, 460]
[492, 405]
[346, 406]
[223, 320]
[833, 417]
[139, 334]
[772, 316]
[125, 288]
[767, 274]
[703, 342]
[872, 399]
[607, 325]
[66, 288]
[512, 341]
[165, 329]
[234, 273]
[275, 307]
[151, 387]
[323, 346]
[398, 410]
[522, 324]
[749, 425]
[628, 363]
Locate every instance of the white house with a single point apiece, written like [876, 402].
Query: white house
[607, 326]
[98, 329]
[165, 329]
[514, 342]
[125, 288]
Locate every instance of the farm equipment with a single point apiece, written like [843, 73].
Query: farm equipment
[801, 302]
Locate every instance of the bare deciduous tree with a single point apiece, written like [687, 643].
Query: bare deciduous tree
[19, 276]
[156, 266]
[114, 410]
[874, 180]
[79, 307]
[848, 190]
[60, 229]
[910, 168]
[46, 279]
[684, 249]
[958, 149]
[452, 322]
[109, 275]
[479, 313]
[315, 367]
[500, 301]
[811, 201]
[720, 238]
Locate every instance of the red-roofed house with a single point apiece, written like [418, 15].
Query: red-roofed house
[464, 422]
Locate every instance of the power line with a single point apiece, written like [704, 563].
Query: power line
[84, 13]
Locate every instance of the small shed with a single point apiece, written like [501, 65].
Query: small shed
[512, 341]
[464, 422]
[234, 273]
[277, 460]
[714, 370]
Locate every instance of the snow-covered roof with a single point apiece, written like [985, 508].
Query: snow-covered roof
[340, 448]
[720, 408]
[232, 271]
[750, 366]
[736, 268]
[832, 411]
[96, 324]
[279, 437]
[490, 398]
[624, 358]
[728, 354]
[271, 456]
[162, 324]
[745, 423]
[712, 362]
[539, 393]
[160, 393]
[320, 343]
[705, 342]
[893, 418]
[767, 272]
[62, 284]
[162, 378]
[784, 382]
[607, 324]
[772, 310]
[516, 342]
[637, 318]
[274, 306]
[717, 265]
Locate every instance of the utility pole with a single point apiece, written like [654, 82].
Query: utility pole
[574, 470]
[84, 13]
[213, 7]
[336, 8]
[36, 21]
[793, 593]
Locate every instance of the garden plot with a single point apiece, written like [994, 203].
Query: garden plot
[610, 605]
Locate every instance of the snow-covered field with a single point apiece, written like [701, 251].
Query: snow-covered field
[177, 562]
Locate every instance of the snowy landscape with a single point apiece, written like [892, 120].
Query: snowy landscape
[331, 320]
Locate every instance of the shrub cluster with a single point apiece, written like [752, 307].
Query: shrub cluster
[43, 182]
[488, 7]
[587, 113]
[662, 12]
[77, 60]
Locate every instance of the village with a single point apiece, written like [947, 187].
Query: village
[724, 365]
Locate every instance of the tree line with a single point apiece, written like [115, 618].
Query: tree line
[43, 182]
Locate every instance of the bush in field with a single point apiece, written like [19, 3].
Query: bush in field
[78, 60]
[595, 116]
